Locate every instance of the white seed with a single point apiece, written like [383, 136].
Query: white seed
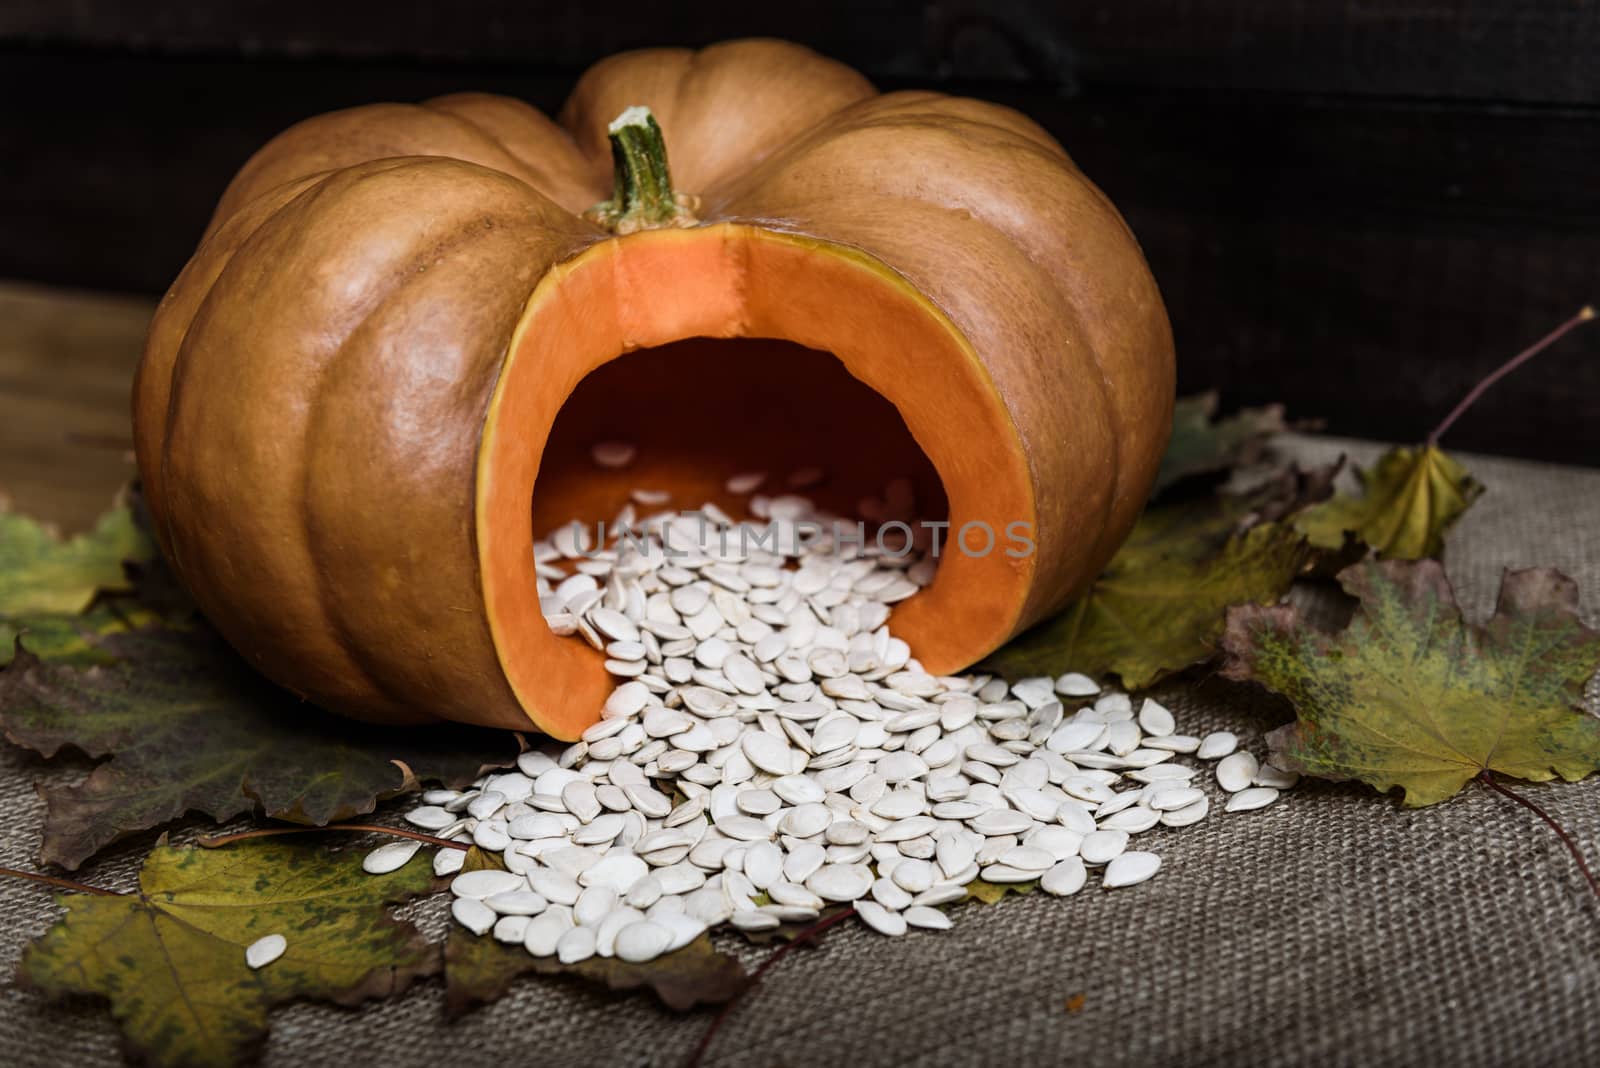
[485, 882]
[391, 856]
[1275, 777]
[1217, 745]
[999, 821]
[1101, 847]
[1005, 873]
[1236, 771]
[1251, 799]
[811, 756]
[1172, 798]
[643, 941]
[430, 818]
[1065, 878]
[1188, 815]
[881, 919]
[928, 918]
[576, 944]
[266, 949]
[511, 929]
[516, 903]
[473, 914]
[747, 482]
[767, 752]
[619, 871]
[840, 882]
[544, 932]
[1129, 868]
[613, 453]
[1155, 719]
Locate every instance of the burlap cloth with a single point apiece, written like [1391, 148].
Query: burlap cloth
[1332, 928]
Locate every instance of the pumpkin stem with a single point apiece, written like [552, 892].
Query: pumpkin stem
[643, 197]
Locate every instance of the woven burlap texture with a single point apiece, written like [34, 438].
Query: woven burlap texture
[1332, 928]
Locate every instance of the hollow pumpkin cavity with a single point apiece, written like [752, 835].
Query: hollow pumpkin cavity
[727, 348]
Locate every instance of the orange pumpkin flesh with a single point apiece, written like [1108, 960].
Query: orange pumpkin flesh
[738, 281]
[379, 377]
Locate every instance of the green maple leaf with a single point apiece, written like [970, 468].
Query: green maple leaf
[170, 958]
[71, 639]
[41, 574]
[1407, 502]
[1410, 695]
[1202, 444]
[1158, 607]
[188, 726]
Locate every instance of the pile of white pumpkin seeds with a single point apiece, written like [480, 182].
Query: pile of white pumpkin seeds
[771, 750]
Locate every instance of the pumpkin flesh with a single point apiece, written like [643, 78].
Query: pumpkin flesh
[734, 281]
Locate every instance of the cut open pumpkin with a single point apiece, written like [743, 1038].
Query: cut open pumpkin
[732, 281]
[379, 378]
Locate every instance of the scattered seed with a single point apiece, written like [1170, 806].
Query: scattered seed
[1129, 868]
[1236, 771]
[1217, 745]
[1251, 799]
[748, 482]
[613, 453]
[392, 856]
[263, 951]
[810, 756]
[1065, 878]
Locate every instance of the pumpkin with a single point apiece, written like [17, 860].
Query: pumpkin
[378, 378]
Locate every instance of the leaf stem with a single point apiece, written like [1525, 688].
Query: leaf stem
[215, 840]
[65, 884]
[806, 935]
[1487, 778]
[1585, 313]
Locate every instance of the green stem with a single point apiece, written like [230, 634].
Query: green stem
[643, 197]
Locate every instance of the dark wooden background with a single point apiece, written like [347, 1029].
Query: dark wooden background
[1353, 206]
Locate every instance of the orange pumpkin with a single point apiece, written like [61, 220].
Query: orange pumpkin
[379, 377]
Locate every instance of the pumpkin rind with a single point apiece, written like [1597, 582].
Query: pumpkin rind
[309, 411]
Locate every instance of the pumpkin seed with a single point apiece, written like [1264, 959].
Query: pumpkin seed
[881, 919]
[1250, 799]
[392, 857]
[1065, 878]
[1217, 745]
[758, 685]
[1129, 868]
[613, 453]
[1236, 771]
[268, 948]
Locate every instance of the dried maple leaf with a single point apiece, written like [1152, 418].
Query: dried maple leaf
[1202, 444]
[1407, 502]
[1158, 607]
[42, 574]
[170, 958]
[988, 893]
[1410, 695]
[187, 725]
[478, 969]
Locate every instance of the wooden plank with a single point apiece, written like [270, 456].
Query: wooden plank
[1364, 260]
[1529, 51]
[66, 365]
